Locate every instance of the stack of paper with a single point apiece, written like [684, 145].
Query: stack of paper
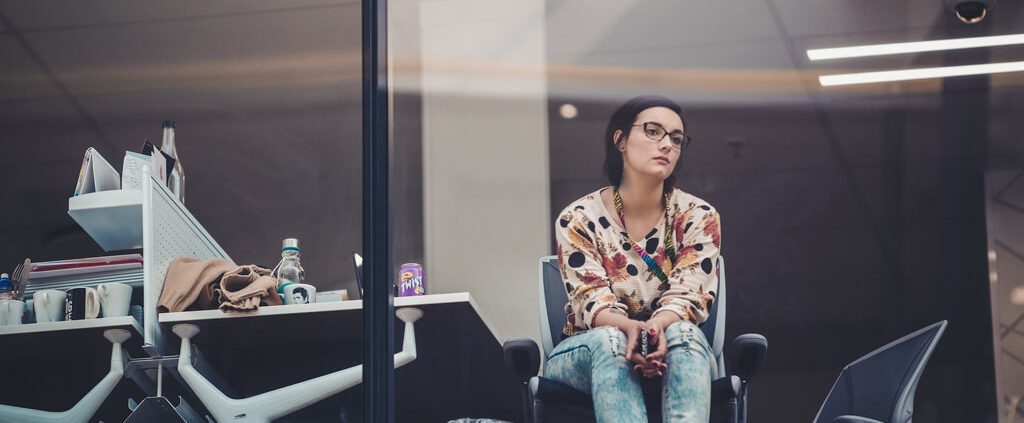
[96, 174]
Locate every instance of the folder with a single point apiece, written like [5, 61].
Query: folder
[96, 174]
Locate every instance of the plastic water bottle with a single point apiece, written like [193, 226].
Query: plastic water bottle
[289, 270]
[5, 287]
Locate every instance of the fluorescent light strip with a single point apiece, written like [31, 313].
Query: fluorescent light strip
[914, 47]
[923, 73]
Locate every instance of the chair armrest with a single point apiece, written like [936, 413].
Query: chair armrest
[747, 354]
[522, 358]
[555, 393]
[854, 419]
[725, 388]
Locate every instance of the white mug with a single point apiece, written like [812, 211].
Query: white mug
[49, 305]
[115, 298]
[11, 312]
[299, 293]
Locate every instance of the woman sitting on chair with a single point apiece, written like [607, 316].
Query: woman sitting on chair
[639, 256]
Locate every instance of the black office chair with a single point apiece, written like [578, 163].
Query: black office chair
[880, 386]
[546, 400]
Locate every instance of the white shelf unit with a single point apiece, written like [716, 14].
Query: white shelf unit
[152, 219]
[169, 231]
[112, 218]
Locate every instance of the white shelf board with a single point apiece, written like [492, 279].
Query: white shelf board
[288, 309]
[70, 325]
[281, 310]
[112, 218]
[295, 309]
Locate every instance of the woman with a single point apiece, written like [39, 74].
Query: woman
[637, 256]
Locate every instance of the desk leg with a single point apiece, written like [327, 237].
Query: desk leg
[268, 406]
[87, 406]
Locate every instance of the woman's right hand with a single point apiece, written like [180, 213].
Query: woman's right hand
[641, 364]
[632, 329]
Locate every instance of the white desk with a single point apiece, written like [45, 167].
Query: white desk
[459, 371]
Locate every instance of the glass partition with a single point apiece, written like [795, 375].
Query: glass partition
[266, 108]
[850, 215]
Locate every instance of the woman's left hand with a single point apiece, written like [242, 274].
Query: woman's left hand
[656, 337]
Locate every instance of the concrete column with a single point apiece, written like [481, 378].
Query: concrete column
[485, 155]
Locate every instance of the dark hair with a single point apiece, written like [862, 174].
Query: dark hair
[301, 290]
[622, 120]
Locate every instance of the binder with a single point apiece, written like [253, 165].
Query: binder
[96, 174]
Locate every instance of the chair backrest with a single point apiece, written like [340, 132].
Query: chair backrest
[881, 385]
[553, 296]
[714, 326]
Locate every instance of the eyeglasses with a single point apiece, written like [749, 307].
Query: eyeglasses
[655, 132]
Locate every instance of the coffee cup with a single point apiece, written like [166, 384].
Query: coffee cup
[30, 311]
[299, 293]
[49, 305]
[11, 312]
[137, 312]
[82, 303]
[115, 298]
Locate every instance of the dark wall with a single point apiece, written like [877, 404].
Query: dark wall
[266, 99]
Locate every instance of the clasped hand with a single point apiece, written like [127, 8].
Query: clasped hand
[653, 364]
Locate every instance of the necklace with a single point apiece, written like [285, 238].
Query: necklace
[670, 249]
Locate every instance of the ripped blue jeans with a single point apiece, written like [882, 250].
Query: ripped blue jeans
[594, 361]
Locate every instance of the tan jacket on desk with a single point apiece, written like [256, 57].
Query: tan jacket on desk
[197, 284]
[245, 287]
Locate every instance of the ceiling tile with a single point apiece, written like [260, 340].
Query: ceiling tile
[581, 27]
[741, 72]
[30, 16]
[283, 57]
[44, 130]
[802, 17]
[20, 76]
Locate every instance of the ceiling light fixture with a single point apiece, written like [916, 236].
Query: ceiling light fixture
[913, 47]
[568, 111]
[923, 73]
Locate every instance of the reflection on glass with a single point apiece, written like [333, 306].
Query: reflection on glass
[261, 103]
